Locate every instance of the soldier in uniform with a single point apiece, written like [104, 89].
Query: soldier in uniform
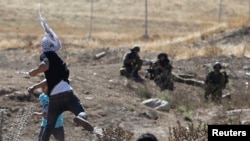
[214, 83]
[132, 64]
[163, 69]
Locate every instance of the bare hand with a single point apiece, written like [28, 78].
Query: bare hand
[32, 73]
[31, 89]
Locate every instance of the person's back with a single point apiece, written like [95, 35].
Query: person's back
[58, 70]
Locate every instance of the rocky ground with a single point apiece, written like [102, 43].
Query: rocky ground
[110, 99]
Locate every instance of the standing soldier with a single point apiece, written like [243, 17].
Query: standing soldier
[132, 64]
[214, 83]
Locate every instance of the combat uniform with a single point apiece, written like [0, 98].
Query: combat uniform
[164, 69]
[131, 64]
[214, 84]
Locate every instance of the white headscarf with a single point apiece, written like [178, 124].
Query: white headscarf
[50, 41]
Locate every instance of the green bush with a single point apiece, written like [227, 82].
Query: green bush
[144, 93]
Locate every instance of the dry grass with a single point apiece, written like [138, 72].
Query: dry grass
[115, 133]
[190, 133]
[125, 27]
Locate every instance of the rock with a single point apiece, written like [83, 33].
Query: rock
[14, 109]
[11, 96]
[194, 82]
[237, 112]
[20, 96]
[248, 74]
[187, 76]
[100, 55]
[245, 122]
[157, 104]
[6, 90]
[246, 67]
[89, 97]
[228, 96]
[86, 92]
[150, 114]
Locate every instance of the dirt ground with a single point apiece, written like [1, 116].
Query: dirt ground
[110, 99]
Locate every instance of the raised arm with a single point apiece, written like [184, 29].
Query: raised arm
[36, 86]
[42, 67]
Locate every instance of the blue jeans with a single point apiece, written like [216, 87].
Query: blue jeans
[58, 133]
[65, 101]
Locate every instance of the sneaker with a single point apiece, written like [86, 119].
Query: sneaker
[84, 123]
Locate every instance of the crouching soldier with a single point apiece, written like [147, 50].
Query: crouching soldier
[132, 64]
[163, 68]
[214, 83]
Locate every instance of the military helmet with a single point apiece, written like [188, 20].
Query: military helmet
[165, 55]
[135, 48]
[217, 64]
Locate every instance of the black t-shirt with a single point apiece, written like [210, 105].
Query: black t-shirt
[57, 69]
